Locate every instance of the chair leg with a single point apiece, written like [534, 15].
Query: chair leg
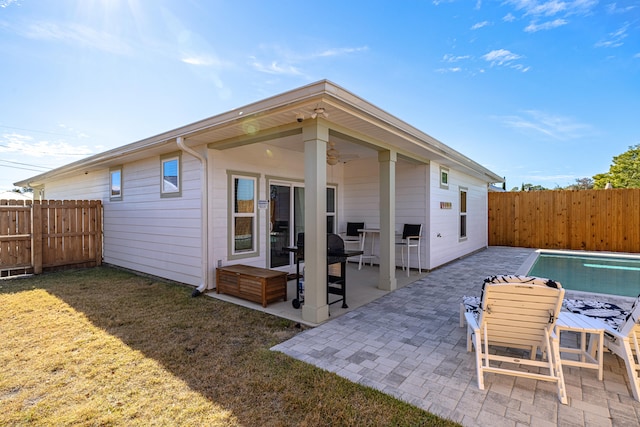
[408, 260]
[556, 364]
[632, 368]
[419, 259]
[473, 340]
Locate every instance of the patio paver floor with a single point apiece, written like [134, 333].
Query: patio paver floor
[409, 344]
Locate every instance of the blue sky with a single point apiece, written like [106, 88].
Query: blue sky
[541, 92]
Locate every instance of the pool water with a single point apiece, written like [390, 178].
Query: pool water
[603, 275]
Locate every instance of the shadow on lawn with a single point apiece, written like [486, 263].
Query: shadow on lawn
[221, 351]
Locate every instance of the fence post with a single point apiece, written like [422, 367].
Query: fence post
[36, 237]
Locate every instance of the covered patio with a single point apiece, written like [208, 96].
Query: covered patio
[361, 289]
[408, 343]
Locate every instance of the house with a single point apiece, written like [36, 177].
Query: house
[12, 195]
[237, 187]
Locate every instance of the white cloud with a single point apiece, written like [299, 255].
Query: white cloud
[544, 10]
[205, 60]
[340, 51]
[501, 56]
[7, 3]
[274, 67]
[549, 25]
[538, 8]
[49, 151]
[552, 126]
[80, 35]
[615, 38]
[548, 8]
[480, 25]
[449, 70]
[284, 62]
[615, 8]
[505, 58]
[451, 58]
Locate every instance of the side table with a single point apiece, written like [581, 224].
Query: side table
[589, 356]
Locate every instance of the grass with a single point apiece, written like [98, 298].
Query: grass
[105, 347]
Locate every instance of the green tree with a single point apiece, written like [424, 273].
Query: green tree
[624, 172]
[531, 187]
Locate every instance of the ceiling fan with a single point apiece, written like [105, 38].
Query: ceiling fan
[334, 156]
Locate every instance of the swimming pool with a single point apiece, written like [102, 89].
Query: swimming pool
[612, 274]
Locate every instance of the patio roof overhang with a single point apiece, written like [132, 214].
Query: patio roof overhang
[356, 126]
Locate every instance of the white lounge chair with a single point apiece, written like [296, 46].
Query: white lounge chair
[517, 314]
[621, 333]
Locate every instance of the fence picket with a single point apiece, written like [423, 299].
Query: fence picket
[46, 235]
[594, 220]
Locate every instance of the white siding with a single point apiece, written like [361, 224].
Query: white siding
[362, 199]
[143, 231]
[162, 236]
[264, 159]
[445, 244]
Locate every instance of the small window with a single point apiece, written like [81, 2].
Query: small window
[115, 184]
[171, 179]
[331, 209]
[463, 213]
[444, 178]
[244, 215]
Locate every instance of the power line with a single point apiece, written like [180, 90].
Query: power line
[18, 167]
[26, 164]
[44, 152]
[37, 131]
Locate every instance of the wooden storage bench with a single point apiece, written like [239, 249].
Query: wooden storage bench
[252, 283]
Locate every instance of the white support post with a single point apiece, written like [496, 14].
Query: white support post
[387, 162]
[315, 308]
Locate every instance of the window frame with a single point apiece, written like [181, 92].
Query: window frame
[165, 159]
[330, 213]
[232, 215]
[112, 171]
[463, 213]
[444, 178]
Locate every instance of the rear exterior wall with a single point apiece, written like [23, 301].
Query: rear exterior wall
[445, 241]
[144, 232]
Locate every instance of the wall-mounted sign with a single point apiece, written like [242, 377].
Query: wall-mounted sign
[445, 205]
[263, 204]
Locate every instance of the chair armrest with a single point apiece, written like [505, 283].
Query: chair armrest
[471, 321]
[608, 330]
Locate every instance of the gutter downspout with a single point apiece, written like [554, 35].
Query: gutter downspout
[204, 199]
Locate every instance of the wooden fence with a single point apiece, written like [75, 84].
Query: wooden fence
[46, 235]
[593, 220]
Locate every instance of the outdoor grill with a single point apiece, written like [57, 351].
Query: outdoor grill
[336, 268]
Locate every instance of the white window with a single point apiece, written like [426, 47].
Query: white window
[171, 180]
[444, 178]
[244, 217]
[331, 210]
[115, 184]
[463, 213]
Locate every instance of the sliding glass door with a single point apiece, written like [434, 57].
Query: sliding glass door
[286, 203]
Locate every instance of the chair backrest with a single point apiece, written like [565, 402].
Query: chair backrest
[334, 243]
[518, 312]
[632, 321]
[410, 230]
[353, 227]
